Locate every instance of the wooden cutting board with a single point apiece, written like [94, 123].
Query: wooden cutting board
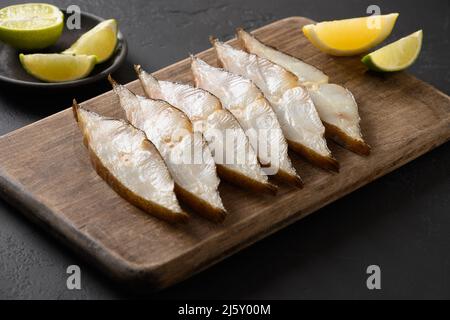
[45, 170]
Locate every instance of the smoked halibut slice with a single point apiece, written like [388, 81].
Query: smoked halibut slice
[124, 157]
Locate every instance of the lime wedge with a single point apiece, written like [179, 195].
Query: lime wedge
[31, 25]
[56, 67]
[100, 41]
[396, 56]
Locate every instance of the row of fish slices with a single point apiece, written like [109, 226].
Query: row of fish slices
[183, 95]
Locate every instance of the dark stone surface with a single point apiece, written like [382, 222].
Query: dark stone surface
[400, 222]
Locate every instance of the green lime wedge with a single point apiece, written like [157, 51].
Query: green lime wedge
[31, 25]
[396, 56]
[56, 67]
[100, 41]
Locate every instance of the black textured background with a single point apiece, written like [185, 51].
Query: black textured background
[400, 222]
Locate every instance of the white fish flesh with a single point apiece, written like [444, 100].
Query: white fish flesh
[336, 105]
[130, 164]
[209, 118]
[291, 102]
[306, 73]
[186, 154]
[255, 114]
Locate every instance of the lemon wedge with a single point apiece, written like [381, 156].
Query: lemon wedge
[100, 41]
[31, 25]
[55, 67]
[396, 56]
[350, 36]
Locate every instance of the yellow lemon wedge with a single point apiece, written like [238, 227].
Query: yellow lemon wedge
[100, 41]
[350, 36]
[396, 56]
[56, 67]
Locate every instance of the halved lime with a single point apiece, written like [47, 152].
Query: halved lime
[56, 67]
[100, 41]
[31, 25]
[396, 56]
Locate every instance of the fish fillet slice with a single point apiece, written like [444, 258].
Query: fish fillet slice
[306, 73]
[130, 164]
[246, 102]
[187, 156]
[291, 102]
[336, 105]
[209, 118]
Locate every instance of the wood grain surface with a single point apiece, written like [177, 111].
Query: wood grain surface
[45, 170]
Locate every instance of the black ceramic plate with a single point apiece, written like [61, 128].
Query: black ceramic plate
[12, 72]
